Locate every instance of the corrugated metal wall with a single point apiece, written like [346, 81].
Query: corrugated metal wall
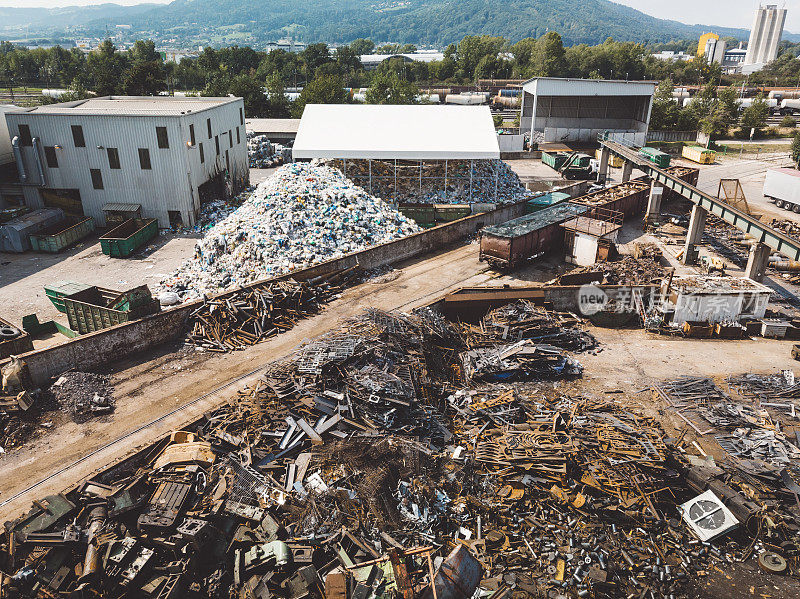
[176, 173]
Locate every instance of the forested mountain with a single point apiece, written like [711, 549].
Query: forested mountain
[433, 22]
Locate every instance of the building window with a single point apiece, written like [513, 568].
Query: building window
[113, 158]
[25, 135]
[238, 138]
[216, 141]
[202, 154]
[144, 159]
[51, 157]
[77, 136]
[97, 178]
[230, 139]
[241, 116]
[208, 126]
[163, 139]
[191, 134]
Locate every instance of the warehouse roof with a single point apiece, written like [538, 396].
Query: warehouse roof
[555, 86]
[133, 106]
[396, 132]
[272, 125]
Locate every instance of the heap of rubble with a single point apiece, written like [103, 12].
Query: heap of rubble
[82, 394]
[368, 464]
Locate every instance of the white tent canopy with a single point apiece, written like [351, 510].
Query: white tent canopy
[385, 132]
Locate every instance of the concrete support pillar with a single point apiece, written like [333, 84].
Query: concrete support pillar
[602, 173]
[654, 202]
[757, 262]
[695, 233]
[627, 169]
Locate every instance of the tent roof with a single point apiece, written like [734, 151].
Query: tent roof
[396, 132]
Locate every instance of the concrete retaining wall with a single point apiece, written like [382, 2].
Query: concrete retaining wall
[90, 351]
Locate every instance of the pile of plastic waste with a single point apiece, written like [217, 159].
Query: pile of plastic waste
[262, 153]
[301, 216]
[457, 182]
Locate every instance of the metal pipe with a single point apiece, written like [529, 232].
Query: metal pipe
[92, 563]
[38, 159]
[23, 176]
[787, 265]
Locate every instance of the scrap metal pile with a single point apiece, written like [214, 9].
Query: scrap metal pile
[524, 320]
[644, 267]
[258, 312]
[366, 466]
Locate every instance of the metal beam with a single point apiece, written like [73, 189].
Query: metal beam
[773, 238]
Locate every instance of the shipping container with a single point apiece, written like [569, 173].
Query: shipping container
[123, 240]
[509, 244]
[63, 234]
[699, 155]
[657, 157]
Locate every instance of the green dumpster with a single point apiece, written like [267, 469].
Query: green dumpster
[63, 234]
[123, 240]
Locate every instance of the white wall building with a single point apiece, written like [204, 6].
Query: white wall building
[578, 110]
[765, 37]
[715, 299]
[166, 154]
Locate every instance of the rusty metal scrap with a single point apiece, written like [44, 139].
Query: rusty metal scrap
[371, 464]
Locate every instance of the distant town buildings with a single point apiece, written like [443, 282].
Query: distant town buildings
[671, 56]
[765, 37]
[370, 62]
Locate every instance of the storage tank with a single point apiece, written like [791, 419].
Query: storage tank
[6, 152]
[790, 106]
[785, 94]
[54, 93]
[687, 101]
[468, 99]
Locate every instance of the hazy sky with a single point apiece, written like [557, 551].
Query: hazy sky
[730, 13]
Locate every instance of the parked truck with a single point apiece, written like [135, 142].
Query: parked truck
[782, 186]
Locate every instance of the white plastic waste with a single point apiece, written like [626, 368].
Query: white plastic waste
[300, 216]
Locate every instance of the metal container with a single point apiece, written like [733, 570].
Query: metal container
[63, 234]
[699, 155]
[657, 157]
[629, 198]
[543, 201]
[15, 234]
[555, 160]
[446, 213]
[55, 292]
[509, 244]
[422, 214]
[90, 310]
[774, 328]
[13, 340]
[122, 241]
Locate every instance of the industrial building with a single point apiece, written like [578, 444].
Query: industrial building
[395, 151]
[765, 37]
[166, 155]
[277, 130]
[578, 110]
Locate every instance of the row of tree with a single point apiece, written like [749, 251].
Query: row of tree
[713, 111]
[324, 73]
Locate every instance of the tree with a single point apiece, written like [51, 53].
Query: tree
[144, 79]
[730, 105]
[389, 88]
[314, 56]
[105, 67]
[325, 89]
[665, 112]
[362, 46]
[144, 51]
[243, 86]
[549, 58]
[278, 107]
[795, 150]
[755, 115]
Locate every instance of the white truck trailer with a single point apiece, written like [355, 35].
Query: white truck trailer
[782, 186]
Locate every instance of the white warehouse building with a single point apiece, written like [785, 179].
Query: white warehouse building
[578, 110]
[168, 155]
